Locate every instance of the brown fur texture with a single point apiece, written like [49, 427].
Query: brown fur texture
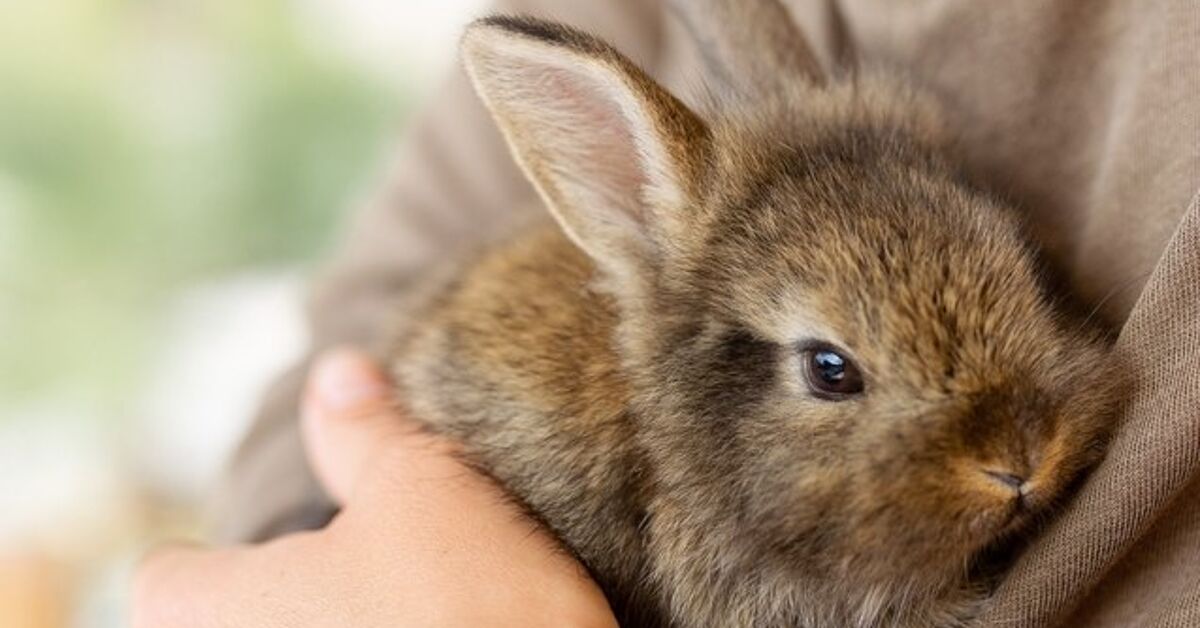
[634, 375]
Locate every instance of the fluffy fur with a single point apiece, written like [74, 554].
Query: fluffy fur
[633, 374]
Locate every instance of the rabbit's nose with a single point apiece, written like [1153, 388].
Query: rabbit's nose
[1020, 486]
[1011, 480]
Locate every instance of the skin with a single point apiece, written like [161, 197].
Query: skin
[400, 553]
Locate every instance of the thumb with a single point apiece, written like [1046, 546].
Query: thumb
[348, 415]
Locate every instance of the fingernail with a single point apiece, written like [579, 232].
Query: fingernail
[345, 379]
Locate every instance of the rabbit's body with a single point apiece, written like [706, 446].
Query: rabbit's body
[552, 421]
[644, 383]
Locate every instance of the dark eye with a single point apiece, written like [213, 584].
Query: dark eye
[831, 375]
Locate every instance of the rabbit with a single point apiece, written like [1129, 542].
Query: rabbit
[776, 365]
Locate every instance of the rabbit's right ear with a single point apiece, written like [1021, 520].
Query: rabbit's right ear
[615, 157]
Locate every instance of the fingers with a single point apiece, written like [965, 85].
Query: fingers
[401, 552]
[350, 420]
[347, 408]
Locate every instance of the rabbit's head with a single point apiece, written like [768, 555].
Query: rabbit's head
[843, 358]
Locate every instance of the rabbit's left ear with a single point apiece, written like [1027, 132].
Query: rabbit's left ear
[616, 158]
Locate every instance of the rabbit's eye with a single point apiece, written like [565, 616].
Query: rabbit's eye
[831, 375]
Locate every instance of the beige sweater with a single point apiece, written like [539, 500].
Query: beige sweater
[1086, 111]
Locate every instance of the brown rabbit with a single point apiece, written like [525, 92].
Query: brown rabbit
[778, 367]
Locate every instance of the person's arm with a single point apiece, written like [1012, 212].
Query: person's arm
[452, 186]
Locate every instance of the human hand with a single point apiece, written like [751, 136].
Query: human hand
[422, 539]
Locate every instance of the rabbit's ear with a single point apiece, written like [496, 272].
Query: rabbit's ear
[614, 155]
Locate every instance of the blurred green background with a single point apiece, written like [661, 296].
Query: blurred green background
[170, 173]
[144, 145]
